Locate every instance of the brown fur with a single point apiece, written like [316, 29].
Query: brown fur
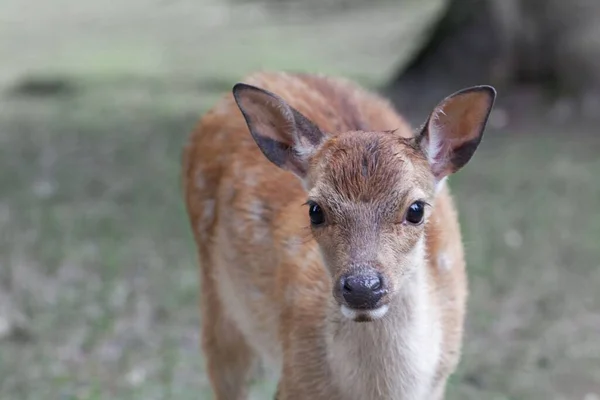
[268, 278]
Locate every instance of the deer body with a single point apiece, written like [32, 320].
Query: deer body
[357, 298]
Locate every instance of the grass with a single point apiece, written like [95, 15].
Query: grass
[98, 275]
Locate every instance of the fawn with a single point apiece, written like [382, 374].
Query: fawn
[361, 293]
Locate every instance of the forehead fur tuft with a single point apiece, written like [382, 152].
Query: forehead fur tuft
[369, 167]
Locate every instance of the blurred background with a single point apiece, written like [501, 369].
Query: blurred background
[98, 272]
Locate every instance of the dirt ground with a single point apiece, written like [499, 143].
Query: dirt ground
[98, 273]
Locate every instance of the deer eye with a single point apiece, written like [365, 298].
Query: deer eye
[315, 213]
[415, 213]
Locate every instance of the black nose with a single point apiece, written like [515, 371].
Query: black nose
[362, 291]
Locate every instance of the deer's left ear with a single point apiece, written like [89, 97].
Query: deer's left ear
[454, 129]
[286, 137]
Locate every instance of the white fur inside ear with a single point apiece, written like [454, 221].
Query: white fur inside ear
[434, 144]
[303, 150]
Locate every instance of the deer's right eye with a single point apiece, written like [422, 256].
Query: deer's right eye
[415, 213]
[315, 213]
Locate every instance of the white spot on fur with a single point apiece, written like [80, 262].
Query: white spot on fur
[251, 179]
[207, 214]
[200, 181]
[238, 168]
[444, 261]
[209, 210]
[256, 209]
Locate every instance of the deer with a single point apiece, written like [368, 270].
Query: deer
[329, 244]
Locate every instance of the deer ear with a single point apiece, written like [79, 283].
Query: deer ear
[286, 137]
[454, 129]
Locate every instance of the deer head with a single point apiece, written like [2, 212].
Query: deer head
[369, 194]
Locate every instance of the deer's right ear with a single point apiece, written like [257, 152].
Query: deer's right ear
[286, 137]
[455, 128]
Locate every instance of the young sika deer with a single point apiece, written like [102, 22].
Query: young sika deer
[360, 294]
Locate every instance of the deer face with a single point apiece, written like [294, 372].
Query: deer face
[369, 194]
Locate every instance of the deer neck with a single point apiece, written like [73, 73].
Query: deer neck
[392, 357]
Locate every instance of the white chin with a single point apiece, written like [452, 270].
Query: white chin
[364, 315]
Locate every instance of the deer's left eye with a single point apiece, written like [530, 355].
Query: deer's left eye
[415, 213]
[317, 217]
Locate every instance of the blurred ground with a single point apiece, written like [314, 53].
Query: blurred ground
[98, 281]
